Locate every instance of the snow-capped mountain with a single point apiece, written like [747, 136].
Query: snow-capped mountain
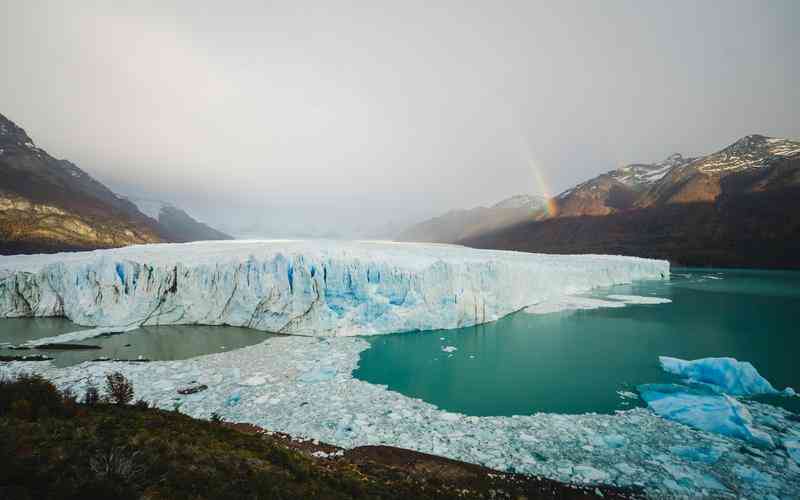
[739, 206]
[617, 189]
[702, 179]
[752, 151]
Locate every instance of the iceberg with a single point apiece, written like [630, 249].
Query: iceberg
[313, 288]
[704, 409]
[738, 378]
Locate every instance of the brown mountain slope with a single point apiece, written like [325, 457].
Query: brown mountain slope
[754, 222]
[51, 204]
[615, 190]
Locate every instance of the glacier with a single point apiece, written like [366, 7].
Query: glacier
[313, 288]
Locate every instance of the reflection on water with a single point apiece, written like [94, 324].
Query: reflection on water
[152, 342]
[580, 361]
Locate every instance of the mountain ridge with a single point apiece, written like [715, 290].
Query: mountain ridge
[733, 207]
[49, 204]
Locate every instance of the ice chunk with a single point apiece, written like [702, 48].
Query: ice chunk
[638, 299]
[704, 409]
[792, 448]
[319, 374]
[319, 288]
[81, 335]
[566, 303]
[728, 375]
[703, 454]
[590, 474]
[449, 348]
[754, 476]
[253, 381]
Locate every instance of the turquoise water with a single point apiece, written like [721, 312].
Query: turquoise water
[161, 343]
[579, 361]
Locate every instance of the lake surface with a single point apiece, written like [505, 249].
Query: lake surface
[586, 360]
[161, 343]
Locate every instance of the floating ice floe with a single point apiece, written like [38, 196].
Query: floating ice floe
[704, 409]
[449, 348]
[728, 375]
[629, 448]
[319, 288]
[571, 302]
[80, 335]
[638, 299]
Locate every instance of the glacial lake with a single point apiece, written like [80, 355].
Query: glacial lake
[588, 360]
[160, 343]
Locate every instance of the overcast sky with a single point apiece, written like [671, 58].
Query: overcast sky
[376, 109]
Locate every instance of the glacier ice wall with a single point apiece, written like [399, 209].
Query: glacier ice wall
[319, 288]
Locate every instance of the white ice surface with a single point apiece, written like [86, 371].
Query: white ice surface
[304, 386]
[572, 302]
[319, 288]
[80, 335]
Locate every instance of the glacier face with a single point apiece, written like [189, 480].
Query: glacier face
[319, 288]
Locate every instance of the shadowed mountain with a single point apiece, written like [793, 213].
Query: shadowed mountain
[753, 221]
[739, 206]
[175, 224]
[460, 224]
[48, 205]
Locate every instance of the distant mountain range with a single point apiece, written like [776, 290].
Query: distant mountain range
[458, 225]
[47, 205]
[739, 206]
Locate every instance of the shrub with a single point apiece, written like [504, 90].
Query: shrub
[116, 464]
[119, 388]
[142, 404]
[22, 409]
[41, 397]
[92, 396]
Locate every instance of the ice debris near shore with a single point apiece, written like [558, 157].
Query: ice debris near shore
[317, 288]
[304, 387]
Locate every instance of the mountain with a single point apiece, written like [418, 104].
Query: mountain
[739, 206]
[701, 179]
[460, 224]
[615, 190]
[175, 224]
[47, 204]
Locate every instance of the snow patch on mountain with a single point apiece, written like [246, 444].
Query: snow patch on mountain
[528, 201]
[151, 208]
